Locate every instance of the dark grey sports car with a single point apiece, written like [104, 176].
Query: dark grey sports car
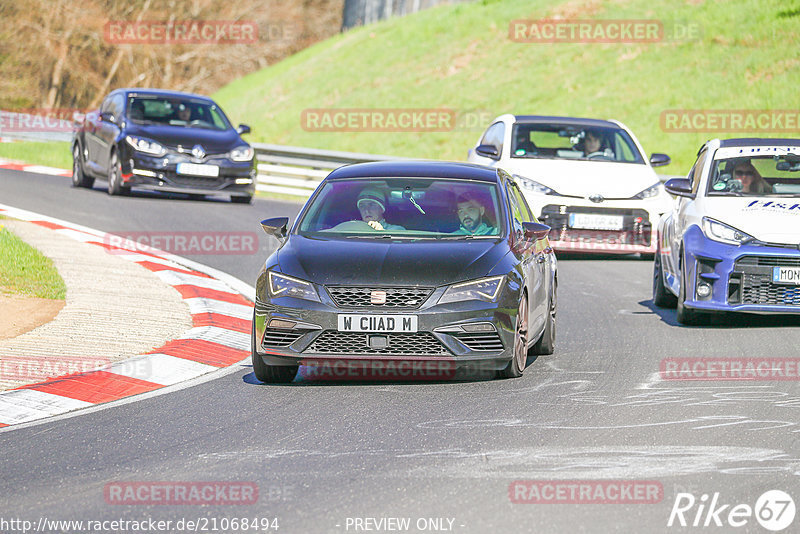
[410, 270]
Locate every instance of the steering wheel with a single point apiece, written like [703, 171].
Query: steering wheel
[595, 155]
[352, 226]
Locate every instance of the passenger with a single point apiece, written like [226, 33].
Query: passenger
[372, 205]
[184, 112]
[750, 178]
[471, 212]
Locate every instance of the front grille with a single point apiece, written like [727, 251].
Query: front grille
[281, 338]
[751, 282]
[480, 341]
[200, 182]
[396, 297]
[417, 344]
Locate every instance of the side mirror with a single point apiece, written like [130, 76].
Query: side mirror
[488, 151]
[243, 129]
[659, 160]
[107, 116]
[535, 230]
[680, 187]
[276, 227]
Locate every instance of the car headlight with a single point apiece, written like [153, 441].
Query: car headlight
[242, 153]
[723, 233]
[281, 285]
[485, 289]
[145, 145]
[532, 185]
[650, 192]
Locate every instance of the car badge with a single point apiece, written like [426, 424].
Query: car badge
[596, 198]
[198, 152]
[377, 297]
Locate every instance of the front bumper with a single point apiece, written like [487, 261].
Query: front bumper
[740, 277]
[637, 234]
[316, 340]
[160, 174]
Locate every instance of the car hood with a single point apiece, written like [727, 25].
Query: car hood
[585, 178]
[398, 262]
[769, 219]
[212, 141]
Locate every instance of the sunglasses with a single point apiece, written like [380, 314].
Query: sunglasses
[744, 173]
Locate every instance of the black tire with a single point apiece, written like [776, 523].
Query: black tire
[115, 186]
[79, 178]
[687, 316]
[662, 297]
[547, 343]
[269, 374]
[242, 200]
[517, 364]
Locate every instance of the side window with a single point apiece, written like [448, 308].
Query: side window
[524, 209]
[106, 106]
[696, 173]
[117, 105]
[516, 210]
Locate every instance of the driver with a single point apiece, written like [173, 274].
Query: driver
[372, 206]
[750, 178]
[593, 144]
[471, 213]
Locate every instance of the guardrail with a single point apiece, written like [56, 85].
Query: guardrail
[297, 171]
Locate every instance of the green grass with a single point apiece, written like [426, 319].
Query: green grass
[460, 57]
[26, 271]
[53, 154]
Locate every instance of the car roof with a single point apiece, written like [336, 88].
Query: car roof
[412, 168]
[577, 121]
[160, 92]
[757, 141]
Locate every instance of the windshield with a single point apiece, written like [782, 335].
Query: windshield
[187, 113]
[775, 175]
[570, 141]
[410, 208]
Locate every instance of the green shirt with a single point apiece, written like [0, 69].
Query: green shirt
[482, 229]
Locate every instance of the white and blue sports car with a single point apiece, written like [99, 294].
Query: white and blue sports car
[732, 240]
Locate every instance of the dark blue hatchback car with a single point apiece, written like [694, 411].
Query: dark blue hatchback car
[165, 141]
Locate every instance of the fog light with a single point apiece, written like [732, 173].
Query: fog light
[243, 181]
[703, 290]
[479, 327]
[281, 323]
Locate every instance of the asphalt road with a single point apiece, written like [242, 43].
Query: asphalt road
[325, 455]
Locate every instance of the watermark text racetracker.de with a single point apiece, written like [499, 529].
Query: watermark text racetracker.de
[39, 120]
[601, 31]
[730, 120]
[586, 492]
[392, 120]
[182, 243]
[779, 369]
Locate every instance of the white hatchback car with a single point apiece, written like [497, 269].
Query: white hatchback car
[587, 179]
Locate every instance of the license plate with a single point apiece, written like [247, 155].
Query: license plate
[377, 323]
[786, 275]
[197, 170]
[591, 221]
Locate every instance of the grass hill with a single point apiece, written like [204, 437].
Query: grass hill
[460, 57]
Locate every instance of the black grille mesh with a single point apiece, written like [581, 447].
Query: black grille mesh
[416, 344]
[396, 297]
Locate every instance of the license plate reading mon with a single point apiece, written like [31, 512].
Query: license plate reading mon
[377, 323]
[786, 275]
[197, 170]
[591, 221]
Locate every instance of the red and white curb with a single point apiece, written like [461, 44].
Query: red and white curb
[220, 337]
[38, 169]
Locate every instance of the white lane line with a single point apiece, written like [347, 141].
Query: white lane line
[215, 334]
[204, 305]
[160, 368]
[24, 405]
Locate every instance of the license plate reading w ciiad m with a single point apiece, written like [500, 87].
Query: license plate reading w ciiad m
[592, 221]
[377, 323]
[786, 275]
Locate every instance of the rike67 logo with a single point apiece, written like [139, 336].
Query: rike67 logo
[774, 510]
